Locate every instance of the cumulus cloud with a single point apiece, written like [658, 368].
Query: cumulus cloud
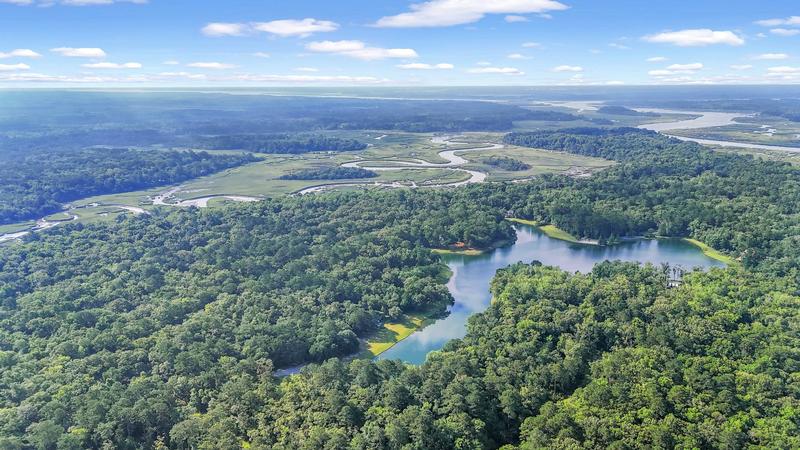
[84, 52]
[517, 56]
[110, 65]
[20, 53]
[217, 29]
[211, 65]
[422, 66]
[566, 68]
[13, 67]
[789, 21]
[656, 59]
[741, 67]
[772, 56]
[302, 28]
[784, 69]
[282, 28]
[262, 55]
[359, 50]
[677, 69]
[497, 70]
[531, 45]
[686, 67]
[445, 13]
[785, 32]
[696, 38]
[516, 19]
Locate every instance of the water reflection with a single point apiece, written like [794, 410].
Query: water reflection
[472, 274]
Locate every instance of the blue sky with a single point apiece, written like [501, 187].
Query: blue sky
[397, 42]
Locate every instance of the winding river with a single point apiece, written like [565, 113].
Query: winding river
[705, 120]
[469, 283]
[453, 163]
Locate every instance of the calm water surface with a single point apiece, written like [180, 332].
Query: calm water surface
[472, 274]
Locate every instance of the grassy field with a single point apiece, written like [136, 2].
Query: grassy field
[766, 130]
[16, 227]
[557, 233]
[532, 223]
[712, 253]
[392, 333]
[262, 179]
[467, 252]
[541, 162]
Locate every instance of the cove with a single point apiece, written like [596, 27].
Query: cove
[469, 283]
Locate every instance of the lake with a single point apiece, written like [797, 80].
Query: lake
[469, 284]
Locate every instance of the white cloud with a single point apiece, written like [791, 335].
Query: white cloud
[772, 56]
[109, 65]
[171, 63]
[656, 59]
[483, 63]
[445, 13]
[517, 56]
[282, 28]
[531, 45]
[784, 32]
[422, 66]
[302, 28]
[306, 69]
[793, 20]
[784, 69]
[20, 53]
[262, 55]
[741, 67]
[217, 29]
[677, 69]
[618, 46]
[13, 67]
[516, 19]
[566, 68]
[696, 38]
[497, 70]
[85, 52]
[211, 65]
[686, 67]
[359, 50]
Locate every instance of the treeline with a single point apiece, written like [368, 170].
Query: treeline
[618, 110]
[506, 163]
[38, 184]
[329, 173]
[283, 143]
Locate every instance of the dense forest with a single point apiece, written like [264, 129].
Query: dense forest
[283, 143]
[164, 331]
[330, 173]
[742, 205]
[506, 163]
[114, 333]
[38, 184]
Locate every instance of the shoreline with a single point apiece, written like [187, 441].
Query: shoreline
[554, 232]
[712, 253]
